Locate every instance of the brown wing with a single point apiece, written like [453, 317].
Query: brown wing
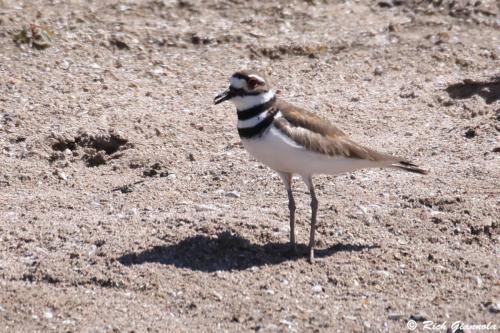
[319, 135]
[301, 118]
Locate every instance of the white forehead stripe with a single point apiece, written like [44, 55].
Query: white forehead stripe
[258, 78]
[237, 83]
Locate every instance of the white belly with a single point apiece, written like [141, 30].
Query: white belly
[281, 153]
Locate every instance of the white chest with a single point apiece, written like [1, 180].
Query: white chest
[276, 150]
[281, 153]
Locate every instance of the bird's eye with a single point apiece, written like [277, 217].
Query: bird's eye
[253, 83]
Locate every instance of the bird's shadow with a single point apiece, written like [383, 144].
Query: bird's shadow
[227, 252]
[488, 90]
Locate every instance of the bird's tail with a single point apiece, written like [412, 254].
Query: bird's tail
[410, 167]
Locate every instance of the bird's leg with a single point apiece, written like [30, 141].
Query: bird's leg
[287, 180]
[314, 211]
[291, 207]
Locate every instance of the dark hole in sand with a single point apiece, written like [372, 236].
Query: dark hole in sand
[97, 147]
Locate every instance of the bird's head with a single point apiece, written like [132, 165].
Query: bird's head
[245, 88]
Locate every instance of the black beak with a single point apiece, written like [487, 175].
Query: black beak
[224, 96]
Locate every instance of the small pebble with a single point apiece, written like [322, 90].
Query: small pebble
[317, 289]
[378, 71]
[479, 281]
[62, 175]
[383, 273]
[48, 315]
[395, 316]
[269, 291]
[419, 316]
[217, 295]
[65, 65]
[470, 133]
[233, 194]
[494, 307]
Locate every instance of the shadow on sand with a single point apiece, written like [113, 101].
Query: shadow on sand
[227, 252]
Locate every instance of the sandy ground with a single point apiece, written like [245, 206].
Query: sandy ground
[129, 205]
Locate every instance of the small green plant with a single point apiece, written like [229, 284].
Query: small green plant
[39, 37]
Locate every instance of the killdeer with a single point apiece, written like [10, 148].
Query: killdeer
[291, 141]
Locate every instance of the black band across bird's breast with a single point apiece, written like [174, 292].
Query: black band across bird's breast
[250, 132]
[256, 110]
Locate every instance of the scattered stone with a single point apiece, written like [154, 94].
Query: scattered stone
[65, 64]
[419, 316]
[385, 4]
[149, 173]
[217, 296]
[119, 43]
[317, 289]
[494, 307]
[48, 315]
[201, 40]
[470, 133]
[378, 71]
[395, 316]
[479, 281]
[61, 175]
[408, 94]
[269, 291]
[156, 166]
[383, 273]
[156, 169]
[129, 188]
[205, 208]
[233, 194]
